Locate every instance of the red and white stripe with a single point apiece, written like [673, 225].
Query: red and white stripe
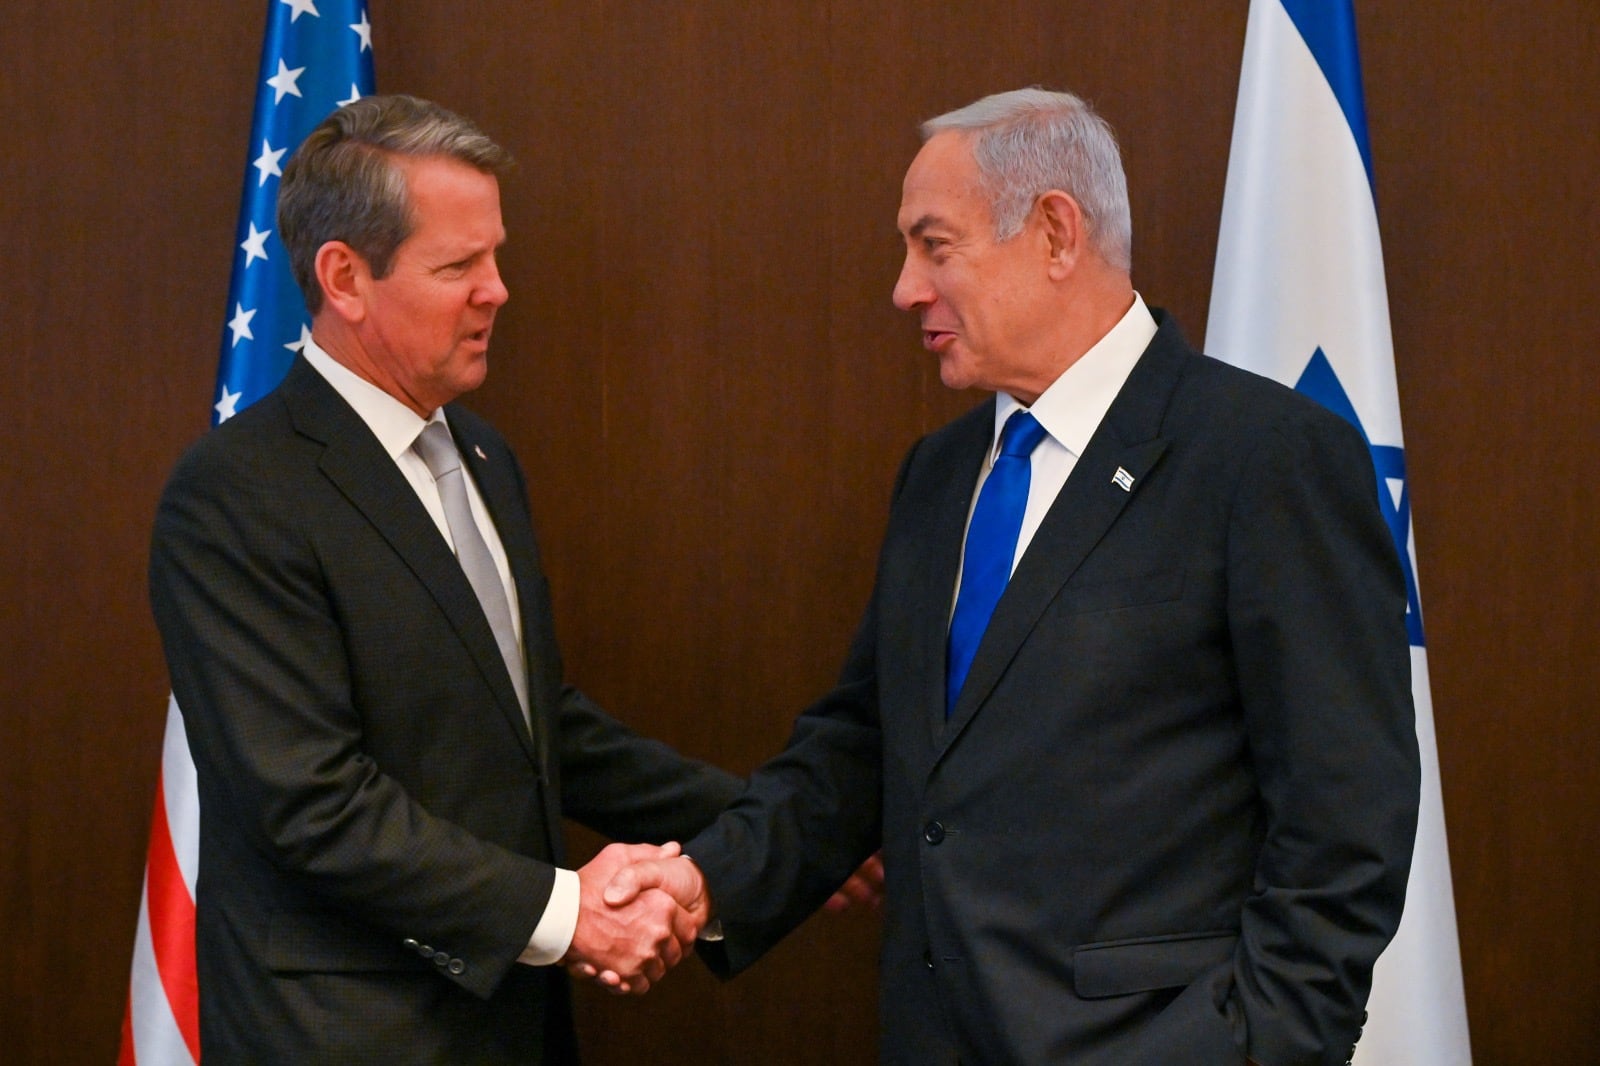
[162, 1023]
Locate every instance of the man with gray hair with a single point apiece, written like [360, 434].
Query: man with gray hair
[359, 635]
[1129, 710]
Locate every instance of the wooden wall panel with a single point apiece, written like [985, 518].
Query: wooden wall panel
[1484, 144]
[710, 390]
[121, 150]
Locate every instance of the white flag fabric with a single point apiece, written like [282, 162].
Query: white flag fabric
[1299, 296]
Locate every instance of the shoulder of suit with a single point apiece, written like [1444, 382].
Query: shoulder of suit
[467, 422]
[1231, 402]
[979, 422]
[246, 433]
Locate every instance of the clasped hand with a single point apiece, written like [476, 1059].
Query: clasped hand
[640, 908]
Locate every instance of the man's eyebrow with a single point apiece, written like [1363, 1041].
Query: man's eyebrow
[921, 225]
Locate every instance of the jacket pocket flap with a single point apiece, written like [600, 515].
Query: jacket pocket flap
[1143, 591]
[1124, 967]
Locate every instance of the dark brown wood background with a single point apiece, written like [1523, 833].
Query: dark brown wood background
[703, 374]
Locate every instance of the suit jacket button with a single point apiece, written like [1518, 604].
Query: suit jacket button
[410, 944]
[933, 833]
[457, 967]
[425, 951]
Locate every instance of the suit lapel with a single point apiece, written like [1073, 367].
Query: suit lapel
[355, 462]
[943, 523]
[1121, 455]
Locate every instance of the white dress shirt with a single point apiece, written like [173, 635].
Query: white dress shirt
[1070, 410]
[397, 427]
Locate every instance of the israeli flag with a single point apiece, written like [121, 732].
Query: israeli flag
[1299, 296]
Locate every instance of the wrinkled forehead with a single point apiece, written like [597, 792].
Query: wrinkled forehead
[942, 185]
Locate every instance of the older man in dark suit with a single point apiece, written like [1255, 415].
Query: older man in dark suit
[1129, 710]
[359, 636]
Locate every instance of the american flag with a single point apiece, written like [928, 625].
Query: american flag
[316, 56]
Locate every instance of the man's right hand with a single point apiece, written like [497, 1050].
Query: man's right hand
[629, 944]
[663, 872]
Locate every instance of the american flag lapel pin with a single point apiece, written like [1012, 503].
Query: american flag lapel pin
[1122, 479]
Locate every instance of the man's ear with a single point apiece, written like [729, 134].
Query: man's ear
[345, 279]
[1065, 231]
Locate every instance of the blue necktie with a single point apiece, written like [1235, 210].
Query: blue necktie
[991, 544]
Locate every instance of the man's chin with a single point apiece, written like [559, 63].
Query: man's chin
[956, 375]
[475, 371]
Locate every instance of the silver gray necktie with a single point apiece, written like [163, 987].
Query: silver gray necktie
[438, 451]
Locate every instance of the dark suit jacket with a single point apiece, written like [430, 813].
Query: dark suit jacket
[378, 826]
[1171, 815]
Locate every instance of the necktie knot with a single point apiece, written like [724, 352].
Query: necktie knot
[437, 449]
[1021, 435]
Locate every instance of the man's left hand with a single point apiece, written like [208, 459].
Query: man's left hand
[863, 889]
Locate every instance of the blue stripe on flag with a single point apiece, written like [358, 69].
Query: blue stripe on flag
[1329, 30]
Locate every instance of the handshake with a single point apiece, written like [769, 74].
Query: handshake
[640, 910]
[642, 907]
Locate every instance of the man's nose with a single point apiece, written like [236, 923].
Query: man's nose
[492, 289]
[911, 289]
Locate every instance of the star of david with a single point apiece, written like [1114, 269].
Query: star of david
[1320, 383]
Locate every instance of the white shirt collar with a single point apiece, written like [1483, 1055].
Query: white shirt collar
[1071, 409]
[394, 424]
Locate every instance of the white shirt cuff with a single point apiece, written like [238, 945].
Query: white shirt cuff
[553, 936]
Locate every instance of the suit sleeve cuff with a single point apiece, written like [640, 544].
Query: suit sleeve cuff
[553, 935]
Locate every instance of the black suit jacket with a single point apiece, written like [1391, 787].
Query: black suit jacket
[1170, 817]
[379, 828]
